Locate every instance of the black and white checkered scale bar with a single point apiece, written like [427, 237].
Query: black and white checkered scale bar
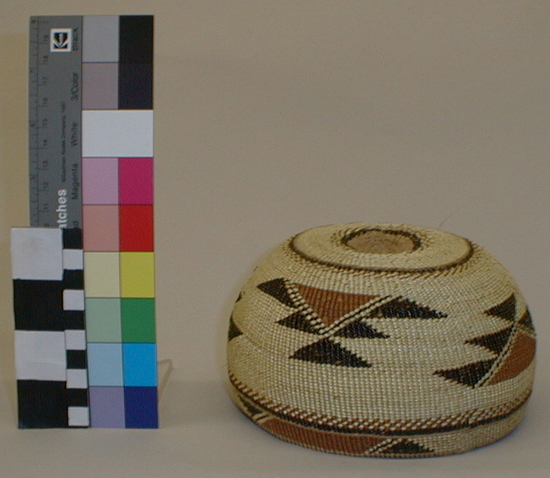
[50, 336]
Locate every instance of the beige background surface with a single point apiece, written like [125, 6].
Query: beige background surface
[276, 116]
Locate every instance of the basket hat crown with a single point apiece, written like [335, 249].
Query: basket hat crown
[382, 340]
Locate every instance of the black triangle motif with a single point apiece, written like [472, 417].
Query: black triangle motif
[360, 330]
[405, 309]
[239, 298]
[527, 321]
[234, 331]
[505, 310]
[277, 288]
[494, 342]
[329, 352]
[408, 447]
[299, 322]
[469, 375]
[250, 408]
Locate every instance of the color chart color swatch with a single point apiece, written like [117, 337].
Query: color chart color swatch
[117, 191]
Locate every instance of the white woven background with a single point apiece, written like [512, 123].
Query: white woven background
[276, 116]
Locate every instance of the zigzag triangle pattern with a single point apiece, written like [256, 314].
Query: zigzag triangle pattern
[330, 305]
[493, 342]
[519, 347]
[360, 330]
[328, 352]
[298, 321]
[360, 341]
[469, 375]
[520, 357]
[321, 311]
[505, 310]
[406, 309]
[277, 288]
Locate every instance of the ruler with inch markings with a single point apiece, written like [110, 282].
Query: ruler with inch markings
[55, 123]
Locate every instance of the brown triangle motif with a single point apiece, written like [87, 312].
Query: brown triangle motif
[334, 442]
[331, 305]
[520, 357]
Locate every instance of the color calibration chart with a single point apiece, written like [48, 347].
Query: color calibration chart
[91, 180]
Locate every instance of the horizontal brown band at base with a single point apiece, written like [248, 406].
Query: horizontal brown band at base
[396, 445]
[461, 421]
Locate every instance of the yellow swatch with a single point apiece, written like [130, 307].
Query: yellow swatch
[137, 274]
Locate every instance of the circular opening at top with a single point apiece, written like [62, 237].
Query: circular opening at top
[376, 241]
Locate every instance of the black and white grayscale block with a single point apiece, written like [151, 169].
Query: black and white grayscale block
[50, 341]
[75, 335]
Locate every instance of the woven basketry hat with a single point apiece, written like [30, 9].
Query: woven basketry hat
[382, 340]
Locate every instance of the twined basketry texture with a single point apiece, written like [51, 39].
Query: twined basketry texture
[382, 340]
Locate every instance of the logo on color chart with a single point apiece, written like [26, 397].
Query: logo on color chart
[61, 40]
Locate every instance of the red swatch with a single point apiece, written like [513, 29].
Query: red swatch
[136, 228]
